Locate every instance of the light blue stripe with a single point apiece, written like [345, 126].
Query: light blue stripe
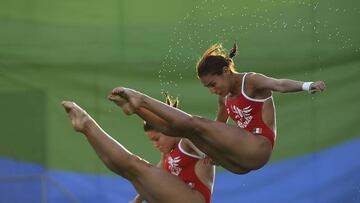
[332, 175]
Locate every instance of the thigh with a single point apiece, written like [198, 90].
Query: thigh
[232, 143]
[157, 185]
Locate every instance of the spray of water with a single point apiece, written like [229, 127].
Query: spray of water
[212, 21]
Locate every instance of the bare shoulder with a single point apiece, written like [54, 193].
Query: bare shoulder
[189, 147]
[255, 76]
[185, 142]
[250, 77]
[259, 80]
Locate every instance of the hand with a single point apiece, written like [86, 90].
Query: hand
[137, 199]
[208, 161]
[318, 86]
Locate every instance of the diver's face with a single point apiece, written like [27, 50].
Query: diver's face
[217, 84]
[163, 143]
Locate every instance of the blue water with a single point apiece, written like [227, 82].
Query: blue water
[329, 176]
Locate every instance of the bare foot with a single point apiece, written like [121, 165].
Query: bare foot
[129, 100]
[122, 103]
[79, 118]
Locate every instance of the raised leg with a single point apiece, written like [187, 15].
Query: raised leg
[234, 148]
[152, 183]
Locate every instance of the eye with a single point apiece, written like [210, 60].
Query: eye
[155, 139]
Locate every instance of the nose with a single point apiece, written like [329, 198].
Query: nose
[156, 145]
[212, 90]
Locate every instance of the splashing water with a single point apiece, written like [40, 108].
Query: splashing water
[218, 21]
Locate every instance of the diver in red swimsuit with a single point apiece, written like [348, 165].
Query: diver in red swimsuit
[182, 159]
[246, 112]
[154, 185]
[241, 148]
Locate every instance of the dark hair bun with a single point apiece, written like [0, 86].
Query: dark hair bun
[233, 51]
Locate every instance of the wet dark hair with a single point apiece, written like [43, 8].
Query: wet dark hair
[214, 60]
[174, 102]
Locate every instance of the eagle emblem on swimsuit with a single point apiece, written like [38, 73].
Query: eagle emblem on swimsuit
[242, 116]
[174, 165]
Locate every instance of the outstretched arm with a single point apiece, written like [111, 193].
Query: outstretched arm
[263, 82]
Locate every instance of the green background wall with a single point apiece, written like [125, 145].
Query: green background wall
[79, 50]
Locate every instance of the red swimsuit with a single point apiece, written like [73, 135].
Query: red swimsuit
[182, 164]
[247, 114]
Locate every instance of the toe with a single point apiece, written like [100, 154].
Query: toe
[112, 97]
[66, 106]
[117, 90]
